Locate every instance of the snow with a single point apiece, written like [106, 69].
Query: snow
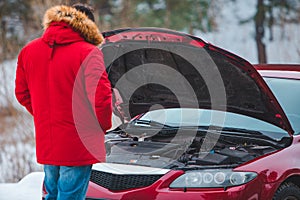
[232, 36]
[239, 38]
[7, 77]
[30, 187]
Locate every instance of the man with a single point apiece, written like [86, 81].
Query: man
[61, 80]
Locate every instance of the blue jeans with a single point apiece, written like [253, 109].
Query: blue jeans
[66, 183]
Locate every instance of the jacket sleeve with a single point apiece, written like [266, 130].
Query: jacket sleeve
[21, 86]
[98, 89]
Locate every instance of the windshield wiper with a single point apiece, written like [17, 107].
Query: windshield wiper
[241, 131]
[150, 123]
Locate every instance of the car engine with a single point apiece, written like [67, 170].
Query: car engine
[167, 151]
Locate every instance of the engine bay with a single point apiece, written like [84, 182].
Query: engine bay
[167, 151]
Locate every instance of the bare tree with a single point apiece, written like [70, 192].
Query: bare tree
[270, 13]
[260, 31]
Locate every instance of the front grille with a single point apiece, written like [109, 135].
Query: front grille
[122, 182]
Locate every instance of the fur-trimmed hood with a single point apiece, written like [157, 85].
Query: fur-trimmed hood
[76, 19]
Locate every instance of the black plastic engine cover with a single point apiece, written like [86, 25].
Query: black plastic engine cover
[235, 156]
[153, 154]
[209, 159]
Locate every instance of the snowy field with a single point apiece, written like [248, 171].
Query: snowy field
[17, 149]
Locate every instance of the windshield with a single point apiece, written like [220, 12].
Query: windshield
[183, 117]
[287, 92]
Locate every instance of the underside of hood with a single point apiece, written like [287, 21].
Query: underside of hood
[156, 68]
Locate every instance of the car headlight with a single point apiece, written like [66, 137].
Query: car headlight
[212, 179]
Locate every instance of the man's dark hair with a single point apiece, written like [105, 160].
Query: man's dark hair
[87, 10]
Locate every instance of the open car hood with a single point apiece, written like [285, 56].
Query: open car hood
[152, 68]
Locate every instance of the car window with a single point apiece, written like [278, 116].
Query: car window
[287, 92]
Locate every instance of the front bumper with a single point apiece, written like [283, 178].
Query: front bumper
[160, 190]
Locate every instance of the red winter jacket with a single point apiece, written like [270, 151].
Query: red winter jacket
[62, 82]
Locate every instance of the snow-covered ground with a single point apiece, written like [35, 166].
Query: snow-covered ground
[237, 38]
[30, 187]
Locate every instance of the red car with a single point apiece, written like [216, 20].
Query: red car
[197, 122]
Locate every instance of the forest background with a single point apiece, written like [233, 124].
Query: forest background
[269, 21]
